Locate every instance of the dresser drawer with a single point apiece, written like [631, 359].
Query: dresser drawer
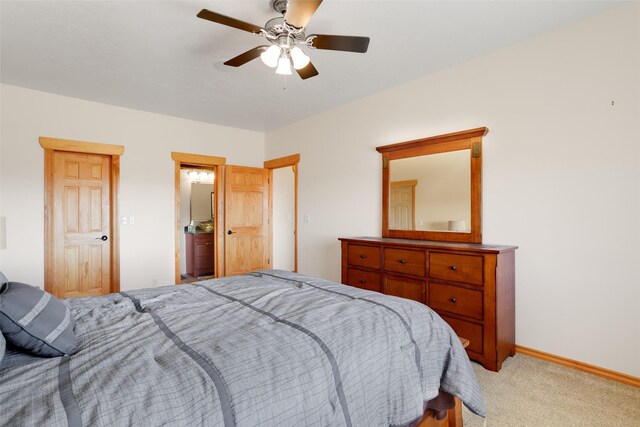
[364, 256]
[204, 237]
[204, 249]
[454, 299]
[469, 330]
[405, 261]
[405, 288]
[363, 279]
[456, 268]
[203, 264]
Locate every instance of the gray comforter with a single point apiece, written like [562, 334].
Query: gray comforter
[264, 349]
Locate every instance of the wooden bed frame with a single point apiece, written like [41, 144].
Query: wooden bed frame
[452, 419]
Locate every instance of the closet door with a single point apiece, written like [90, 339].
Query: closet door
[246, 219]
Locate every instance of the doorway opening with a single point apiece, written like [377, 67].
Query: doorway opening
[198, 223]
[197, 219]
[284, 188]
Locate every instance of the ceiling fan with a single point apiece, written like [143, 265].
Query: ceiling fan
[286, 34]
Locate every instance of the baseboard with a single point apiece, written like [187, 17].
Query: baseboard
[580, 366]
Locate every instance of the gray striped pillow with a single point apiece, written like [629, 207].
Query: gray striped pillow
[36, 321]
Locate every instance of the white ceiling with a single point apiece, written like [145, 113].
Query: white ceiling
[157, 56]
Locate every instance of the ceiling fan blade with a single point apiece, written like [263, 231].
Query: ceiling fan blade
[299, 12]
[243, 58]
[308, 71]
[231, 22]
[344, 43]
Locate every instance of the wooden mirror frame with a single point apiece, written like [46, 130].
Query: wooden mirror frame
[469, 139]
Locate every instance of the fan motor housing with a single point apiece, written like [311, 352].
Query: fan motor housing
[279, 6]
[276, 29]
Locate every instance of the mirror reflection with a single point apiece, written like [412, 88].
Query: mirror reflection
[201, 201]
[431, 192]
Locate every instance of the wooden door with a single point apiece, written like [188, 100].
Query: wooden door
[401, 207]
[246, 220]
[82, 223]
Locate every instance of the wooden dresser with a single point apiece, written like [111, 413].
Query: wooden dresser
[200, 254]
[471, 286]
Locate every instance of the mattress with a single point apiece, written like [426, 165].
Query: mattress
[270, 348]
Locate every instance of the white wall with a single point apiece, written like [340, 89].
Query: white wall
[561, 176]
[147, 248]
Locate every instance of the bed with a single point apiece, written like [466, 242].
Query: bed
[263, 349]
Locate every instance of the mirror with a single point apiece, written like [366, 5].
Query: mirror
[432, 188]
[197, 199]
[201, 201]
[430, 192]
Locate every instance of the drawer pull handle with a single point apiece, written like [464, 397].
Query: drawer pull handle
[452, 300]
[363, 256]
[362, 281]
[454, 268]
[403, 261]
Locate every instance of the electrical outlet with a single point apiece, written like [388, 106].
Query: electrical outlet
[307, 218]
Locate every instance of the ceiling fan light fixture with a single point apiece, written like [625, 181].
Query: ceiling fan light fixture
[284, 66]
[283, 34]
[300, 60]
[270, 56]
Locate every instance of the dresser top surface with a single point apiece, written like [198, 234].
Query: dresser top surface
[431, 244]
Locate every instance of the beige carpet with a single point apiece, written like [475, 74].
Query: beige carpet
[531, 392]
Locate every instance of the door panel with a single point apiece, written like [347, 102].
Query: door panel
[401, 208]
[246, 219]
[82, 215]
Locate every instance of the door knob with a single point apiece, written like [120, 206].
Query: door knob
[104, 238]
[230, 232]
